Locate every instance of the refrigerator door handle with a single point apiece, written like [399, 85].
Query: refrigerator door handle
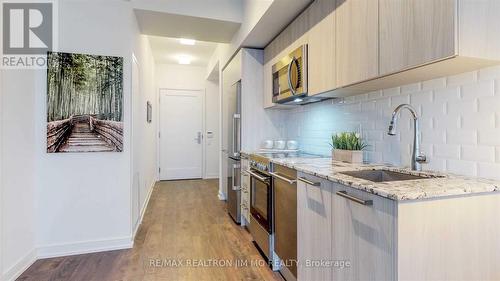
[236, 135]
[233, 174]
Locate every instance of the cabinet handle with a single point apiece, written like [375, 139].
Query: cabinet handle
[281, 177]
[355, 199]
[306, 181]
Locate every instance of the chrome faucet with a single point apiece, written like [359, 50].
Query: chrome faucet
[416, 158]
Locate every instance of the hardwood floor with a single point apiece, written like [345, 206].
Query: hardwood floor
[184, 222]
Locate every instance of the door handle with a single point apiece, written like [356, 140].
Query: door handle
[292, 89]
[281, 177]
[261, 178]
[199, 137]
[235, 145]
[235, 187]
[355, 199]
[306, 181]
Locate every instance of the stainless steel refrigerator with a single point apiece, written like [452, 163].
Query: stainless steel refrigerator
[234, 147]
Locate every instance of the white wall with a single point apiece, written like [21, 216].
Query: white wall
[212, 125]
[59, 204]
[144, 150]
[84, 199]
[17, 176]
[175, 76]
[460, 123]
[186, 77]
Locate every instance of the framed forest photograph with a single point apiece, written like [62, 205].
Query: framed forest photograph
[84, 103]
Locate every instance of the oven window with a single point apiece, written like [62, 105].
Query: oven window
[260, 195]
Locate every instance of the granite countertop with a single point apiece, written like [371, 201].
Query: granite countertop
[440, 185]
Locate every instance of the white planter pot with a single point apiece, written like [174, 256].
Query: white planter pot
[349, 156]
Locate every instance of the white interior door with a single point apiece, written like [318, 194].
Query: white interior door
[181, 129]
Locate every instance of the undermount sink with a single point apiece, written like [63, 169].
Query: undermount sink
[382, 175]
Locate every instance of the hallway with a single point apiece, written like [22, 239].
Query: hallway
[184, 222]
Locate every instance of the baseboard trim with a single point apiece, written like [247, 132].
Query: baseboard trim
[211, 176]
[84, 247]
[222, 196]
[143, 211]
[15, 271]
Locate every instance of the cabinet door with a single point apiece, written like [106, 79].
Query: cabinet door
[363, 235]
[356, 40]
[268, 85]
[415, 32]
[321, 48]
[314, 226]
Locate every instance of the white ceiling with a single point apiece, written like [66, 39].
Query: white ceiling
[176, 25]
[225, 10]
[166, 50]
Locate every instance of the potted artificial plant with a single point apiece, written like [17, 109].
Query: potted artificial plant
[347, 147]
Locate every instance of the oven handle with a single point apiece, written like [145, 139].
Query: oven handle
[259, 177]
[281, 177]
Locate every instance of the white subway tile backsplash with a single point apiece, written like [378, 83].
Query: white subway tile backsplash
[434, 84]
[461, 167]
[391, 92]
[435, 164]
[450, 94]
[446, 151]
[433, 137]
[375, 95]
[489, 170]
[460, 136]
[478, 153]
[478, 120]
[489, 104]
[400, 99]
[421, 98]
[446, 122]
[411, 88]
[459, 121]
[479, 89]
[489, 137]
[459, 108]
[489, 73]
[462, 78]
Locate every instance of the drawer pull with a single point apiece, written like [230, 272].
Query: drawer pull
[306, 181]
[355, 199]
[281, 177]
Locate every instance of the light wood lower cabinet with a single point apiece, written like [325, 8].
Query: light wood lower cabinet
[363, 235]
[314, 227]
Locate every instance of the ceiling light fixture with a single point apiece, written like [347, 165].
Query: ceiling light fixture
[298, 100]
[185, 41]
[184, 59]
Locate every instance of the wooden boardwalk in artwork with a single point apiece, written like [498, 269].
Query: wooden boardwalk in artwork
[82, 139]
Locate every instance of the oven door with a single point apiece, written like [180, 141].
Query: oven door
[260, 199]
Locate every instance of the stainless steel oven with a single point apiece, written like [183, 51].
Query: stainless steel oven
[290, 77]
[261, 198]
[261, 208]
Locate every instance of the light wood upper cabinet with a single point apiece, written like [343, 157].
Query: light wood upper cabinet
[356, 40]
[314, 227]
[321, 47]
[415, 32]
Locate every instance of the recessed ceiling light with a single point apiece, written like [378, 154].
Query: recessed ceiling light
[185, 41]
[298, 100]
[184, 59]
